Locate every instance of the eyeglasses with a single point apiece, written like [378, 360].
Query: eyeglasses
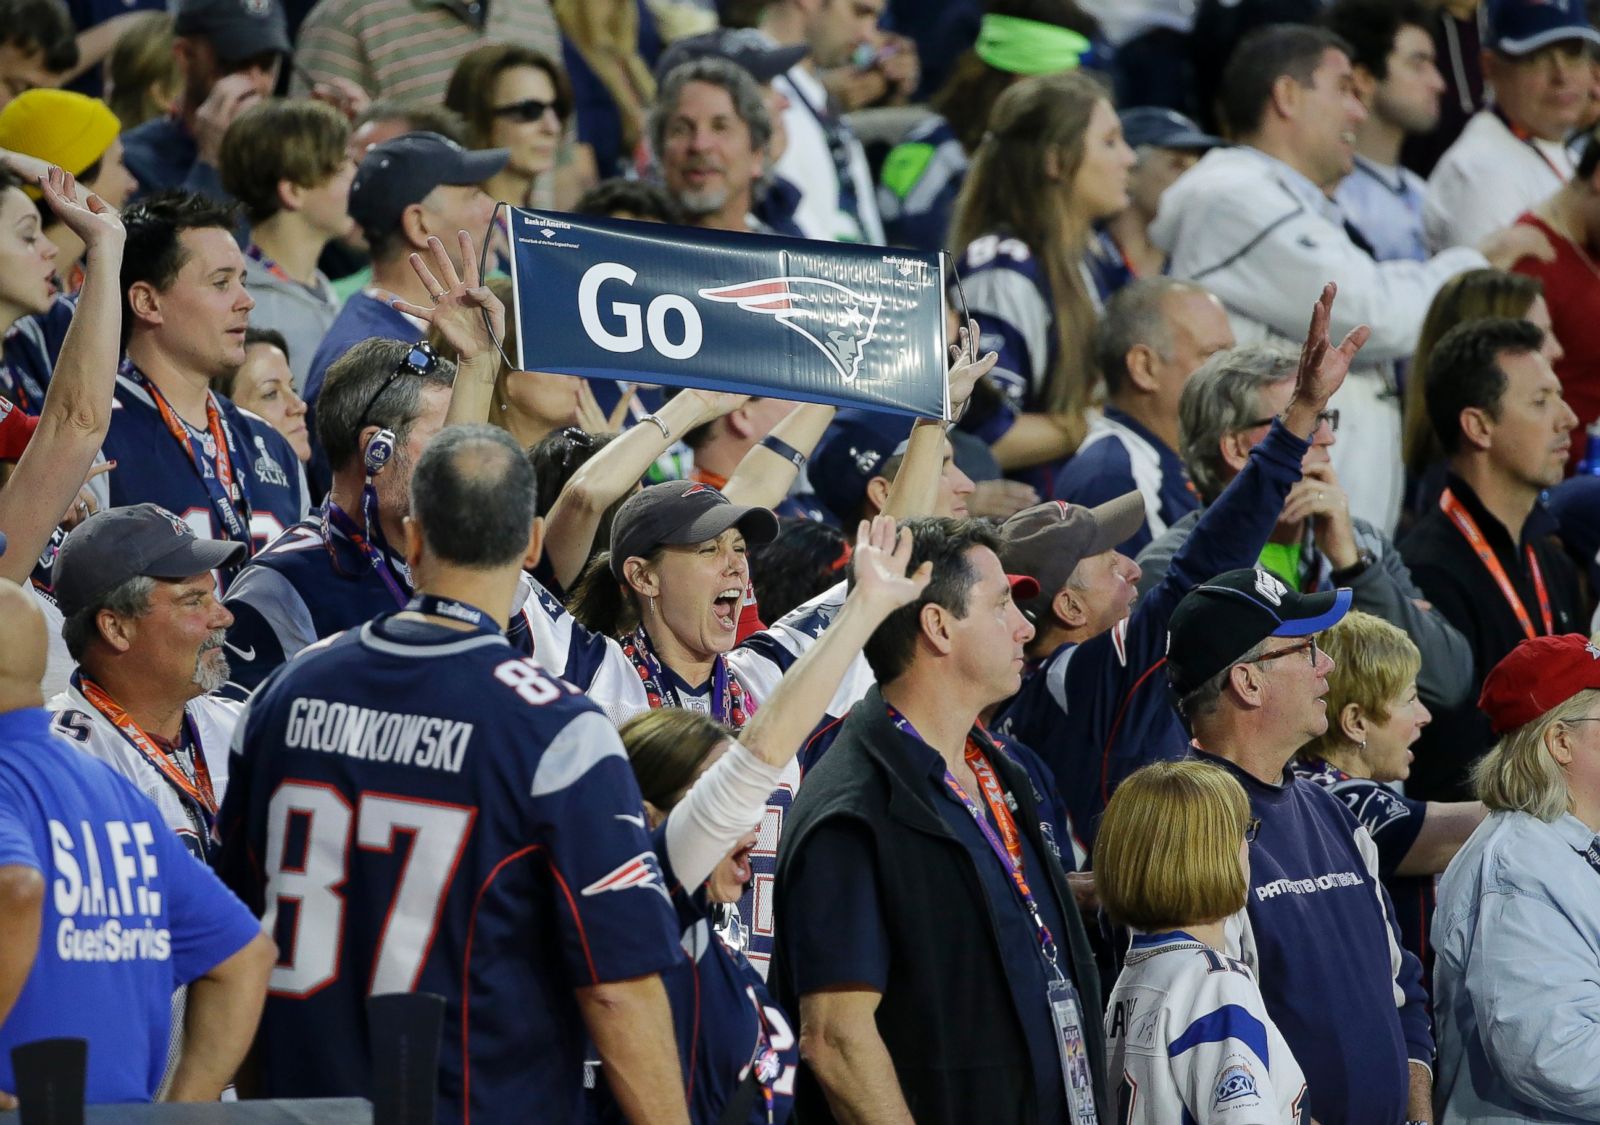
[1252, 829]
[527, 110]
[420, 360]
[1309, 643]
[1329, 416]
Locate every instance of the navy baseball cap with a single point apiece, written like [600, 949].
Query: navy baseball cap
[1575, 503]
[112, 546]
[850, 454]
[236, 29]
[1164, 128]
[1219, 621]
[1521, 27]
[403, 170]
[678, 513]
[743, 46]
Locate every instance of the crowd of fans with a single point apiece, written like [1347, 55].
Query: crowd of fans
[1199, 726]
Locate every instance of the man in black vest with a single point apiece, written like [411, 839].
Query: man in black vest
[925, 931]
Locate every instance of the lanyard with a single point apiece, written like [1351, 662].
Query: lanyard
[258, 256]
[334, 518]
[1591, 854]
[1474, 535]
[1010, 861]
[435, 606]
[212, 457]
[730, 704]
[197, 788]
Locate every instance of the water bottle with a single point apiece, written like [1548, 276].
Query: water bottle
[1590, 465]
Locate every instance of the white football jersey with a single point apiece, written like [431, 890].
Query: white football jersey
[1188, 1040]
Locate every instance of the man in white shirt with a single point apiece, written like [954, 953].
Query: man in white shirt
[838, 200]
[1512, 154]
[1254, 225]
[1400, 86]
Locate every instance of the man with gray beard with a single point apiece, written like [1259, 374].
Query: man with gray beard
[143, 622]
[710, 131]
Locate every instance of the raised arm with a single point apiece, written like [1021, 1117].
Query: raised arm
[470, 317]
[916, 486]
[764, 475]
[605, 478]
[77, 407]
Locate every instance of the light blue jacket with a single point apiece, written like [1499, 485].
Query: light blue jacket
[1517, 976]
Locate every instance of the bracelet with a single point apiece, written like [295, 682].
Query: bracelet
[783, 449]
[1346, 575]
[656, 418]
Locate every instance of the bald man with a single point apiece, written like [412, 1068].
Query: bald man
[120, 883]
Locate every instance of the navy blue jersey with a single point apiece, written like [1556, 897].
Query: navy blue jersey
[1099, 710]
[416, 808]
[154, 466]
[1120, 455]
[727, 1022]
[32, 346]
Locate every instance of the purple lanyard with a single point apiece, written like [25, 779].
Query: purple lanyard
[1047, 943]
[375, 554]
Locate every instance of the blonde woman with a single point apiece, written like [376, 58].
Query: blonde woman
[1024, 257]
[1374, 717]
[1517, 932]
[1187, 1032]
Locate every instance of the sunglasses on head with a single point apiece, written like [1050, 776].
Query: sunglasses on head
[419, 359]
[529, 109]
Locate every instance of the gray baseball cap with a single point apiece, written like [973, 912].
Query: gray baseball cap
[680, 512]
[402, 171]
[1049, 540]
[117, 544]
[236, 29]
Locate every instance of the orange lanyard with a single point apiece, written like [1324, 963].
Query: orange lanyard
[198, 789]
[995, 798]
[1474, 535]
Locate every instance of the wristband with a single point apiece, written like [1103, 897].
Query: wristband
[656, 418]
[783, 449]
[1346, 575]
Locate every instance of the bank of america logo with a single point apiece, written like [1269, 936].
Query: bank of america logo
[834, 317]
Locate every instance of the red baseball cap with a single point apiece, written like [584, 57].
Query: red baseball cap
[1536, 676]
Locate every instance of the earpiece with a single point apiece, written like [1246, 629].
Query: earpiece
[378, 452]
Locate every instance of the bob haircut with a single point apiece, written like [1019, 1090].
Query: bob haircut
[1519, 775]
[1167, 853]
[1372, 664]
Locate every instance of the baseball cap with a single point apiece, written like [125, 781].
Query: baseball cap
[1575, 503]
[1536, 676]
[743, 46]
[1219, 621]
[117, 544]
[1520, 27]
[1164, 128]
[851, 453]
[1049, 540]
[680, 512]
[403, 170]
[60, 127]
[236, 29]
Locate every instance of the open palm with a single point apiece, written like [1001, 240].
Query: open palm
[881, 557]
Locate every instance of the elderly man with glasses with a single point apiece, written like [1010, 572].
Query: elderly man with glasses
[1318, 928]
[1225, 411]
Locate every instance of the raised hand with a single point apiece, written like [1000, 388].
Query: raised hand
[881, 557]
[1322, 366]
[459, 301]
[967, 367]
[92, 220]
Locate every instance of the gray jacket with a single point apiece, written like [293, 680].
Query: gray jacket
[1384, 589]
[303, 315]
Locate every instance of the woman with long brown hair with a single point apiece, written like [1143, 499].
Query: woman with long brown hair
[515, 98]
[604, 45]
[1052, 164]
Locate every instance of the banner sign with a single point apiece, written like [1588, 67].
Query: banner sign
[763, 315]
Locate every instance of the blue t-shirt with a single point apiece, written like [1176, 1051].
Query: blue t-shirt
[833, 879]
[128, 913]
[417, 808]
[154, 466]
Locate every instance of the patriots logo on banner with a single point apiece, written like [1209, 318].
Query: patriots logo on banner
[834, 317]
[643, 870]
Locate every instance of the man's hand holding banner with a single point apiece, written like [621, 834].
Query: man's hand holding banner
[779, 317]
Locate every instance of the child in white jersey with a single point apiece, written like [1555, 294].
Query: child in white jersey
[1188, 1037]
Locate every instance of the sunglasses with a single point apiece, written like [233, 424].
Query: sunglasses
[527, 110]
[1329, 416]
[420, 359]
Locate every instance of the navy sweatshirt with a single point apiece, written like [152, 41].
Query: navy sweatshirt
[1322, 939]
[1097, 711]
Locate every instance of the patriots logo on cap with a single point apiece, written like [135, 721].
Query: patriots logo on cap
[694, 488]
[177, 524]
[835, 318]
[260, 9]
[643, 870]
